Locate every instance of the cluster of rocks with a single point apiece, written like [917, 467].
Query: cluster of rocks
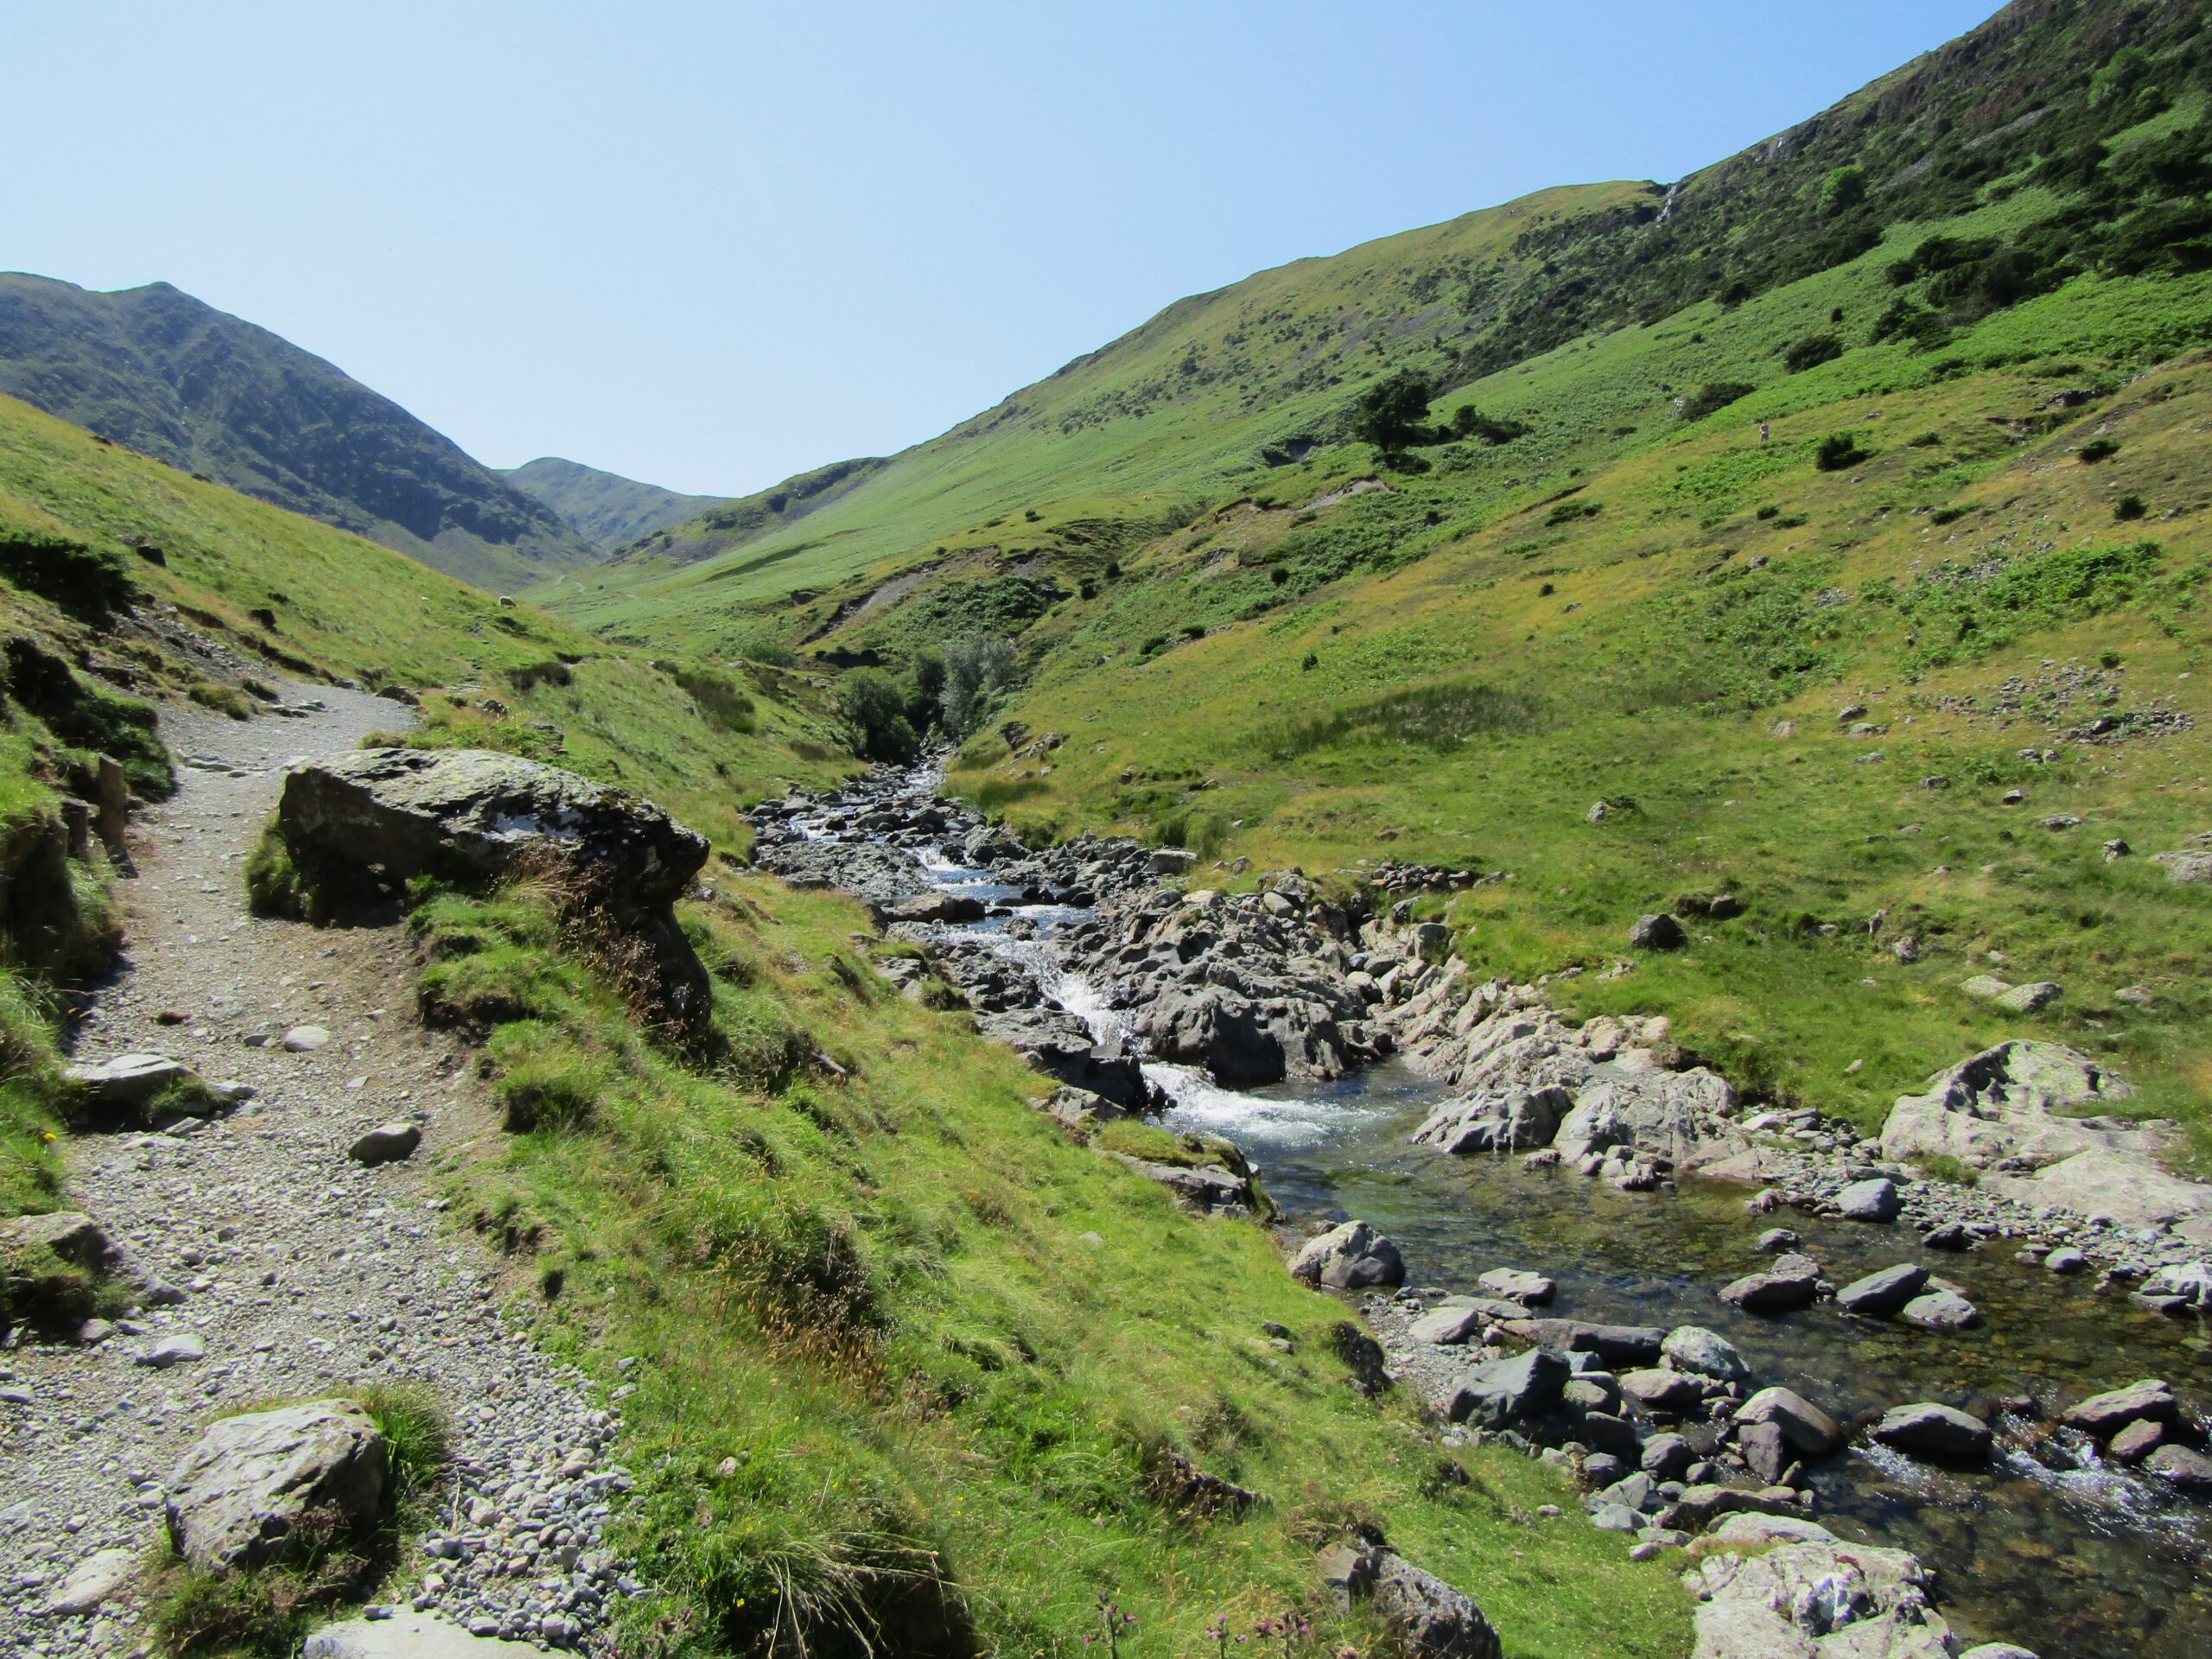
[1614, 1099]
[1671, 1438]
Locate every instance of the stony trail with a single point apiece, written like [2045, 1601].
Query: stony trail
[301, 1273]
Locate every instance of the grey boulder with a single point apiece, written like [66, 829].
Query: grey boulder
[387, 1143]
[474, 814]
[1513, 1120]
[1704, 1353]
[1803, 1425]
[1430, 1620]
[1941, 1311]
[1937, 1433]
[2105, 1415]
[245, 1494]
[1507, 1391]
[1793, 1282]
[1351, 1257]
[1870, 1201]
[1880, 1294]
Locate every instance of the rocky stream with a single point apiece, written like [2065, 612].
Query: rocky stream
[1927, 1414]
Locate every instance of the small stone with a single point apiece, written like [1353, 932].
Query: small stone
[1776, 1240]
[1944, 1311]
[1875, 1201]
[2065, 1259]
[2030, 999]
[305, 1040]
[2137, 1441]
[1657, 931]
[387, 1143]
[174, 1350]
[1804, 1424]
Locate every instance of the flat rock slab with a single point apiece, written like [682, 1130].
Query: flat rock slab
[305, 1040]
[1515, 1285]
[92, 1582]
[406, 1635]
[2103, 1414]
[128, 1080]
[1616, 1345]
[1879, 1295]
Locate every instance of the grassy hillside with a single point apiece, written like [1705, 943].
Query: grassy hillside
[1902, 411]
[1220, 390]
[913, 1368]
[606, 509]
[158, 371]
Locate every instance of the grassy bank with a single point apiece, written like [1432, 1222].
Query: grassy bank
[916, 1368]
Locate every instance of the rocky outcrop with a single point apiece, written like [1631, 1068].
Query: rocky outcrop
[1612, 1098]
[387, 815]
[265, 1487]
[1807, 1595]
[2023, 1115]
[1427, 1618]
[1351, 1257]
[1059, 1045]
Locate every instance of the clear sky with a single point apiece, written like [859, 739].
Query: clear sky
[713, 245]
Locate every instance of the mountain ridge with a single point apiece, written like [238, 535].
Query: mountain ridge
[160, 372]
[606, 509]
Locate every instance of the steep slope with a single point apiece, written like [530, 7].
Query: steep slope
[1218, 390]
[158, 371]
[606, 509]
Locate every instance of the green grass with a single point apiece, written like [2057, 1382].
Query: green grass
[891, 1392]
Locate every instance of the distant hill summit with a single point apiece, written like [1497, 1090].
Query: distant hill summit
[606, 509]
[174, 378]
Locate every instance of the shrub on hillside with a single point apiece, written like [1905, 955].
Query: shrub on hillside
[976, 670]
[1838, 452]
[1811, 351]
[1391, 413]
[722, 705]
[1713, 395]
[873, 710]
[88, 582]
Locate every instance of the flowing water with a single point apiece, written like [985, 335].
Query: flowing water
[2053, 1550]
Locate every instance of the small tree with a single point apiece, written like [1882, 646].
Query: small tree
[1843, 189]
[873, 709]
[1390, 414]
[976, 669]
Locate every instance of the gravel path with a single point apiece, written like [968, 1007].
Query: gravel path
[301, 1272]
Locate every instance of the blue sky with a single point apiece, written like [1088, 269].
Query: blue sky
[713, 245]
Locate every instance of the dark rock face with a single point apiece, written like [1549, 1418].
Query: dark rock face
[472, 813]
[1060, 1046]
[174, 378]
[1937, 1433]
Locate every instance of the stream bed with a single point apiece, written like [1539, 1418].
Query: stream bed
[2052, 1550]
